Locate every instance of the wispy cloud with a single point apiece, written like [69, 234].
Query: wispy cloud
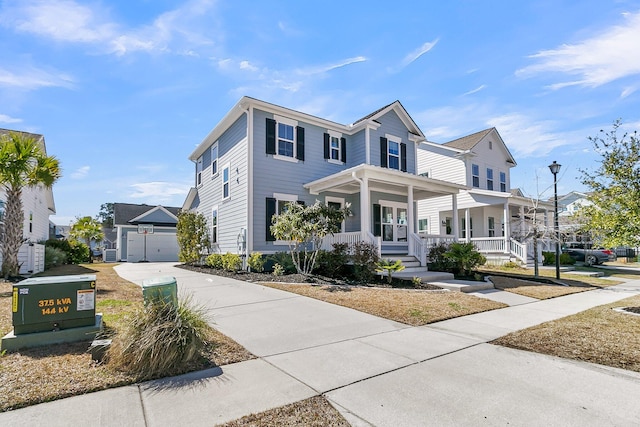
[81, 172]
[8, 119]
[478, 89]
[69, 21]
[158, 191]
[329, 67]
[412, 56]
[611, 55]
[30, 78]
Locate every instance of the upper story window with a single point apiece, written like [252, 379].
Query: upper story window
[475, 175]
[489, 179]
[393, 153]
[225, 181]
[490, 145]
[284, 138]
[199, 172]
[335, 147]
[214, 159]
[503, 182]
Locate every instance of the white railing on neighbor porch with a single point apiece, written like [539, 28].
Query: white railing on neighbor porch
[350, 239]
[489, 244]
[519, 250]
[422, 244]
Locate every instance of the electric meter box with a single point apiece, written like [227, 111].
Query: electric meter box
[160, 289]
[53, 303]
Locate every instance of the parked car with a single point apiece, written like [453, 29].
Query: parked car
[585, 253]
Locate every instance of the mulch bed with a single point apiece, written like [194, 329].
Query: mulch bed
[379, 282]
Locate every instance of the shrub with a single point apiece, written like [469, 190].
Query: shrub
[565, 259]
[79, 252]
[438, 260]
[215, 261]
[510, 265]
[231, 262]
[416, 281]
[390, 267]
[464, 258]
[364, 258]
[256, 262]
[548, 258]
[54, 257]
[331, 263]
[284, 260]
[278, 270]
[160, 340]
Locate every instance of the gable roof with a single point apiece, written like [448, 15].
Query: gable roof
[469, 142]
[399, 110]
[131, 214]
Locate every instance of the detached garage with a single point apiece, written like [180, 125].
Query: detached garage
[146, 233]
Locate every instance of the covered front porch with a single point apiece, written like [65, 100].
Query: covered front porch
[386, 207]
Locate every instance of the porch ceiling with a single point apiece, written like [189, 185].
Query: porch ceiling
[382, 180]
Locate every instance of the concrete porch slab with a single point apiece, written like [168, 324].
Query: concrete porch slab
[462, 285]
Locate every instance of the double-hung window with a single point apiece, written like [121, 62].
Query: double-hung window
[276, 205]
[199, 172]
[284, 139]
[335, 150]
[214, 159]
[491, 226]
[225, 181]
[393, 153]
[475, 176]
[423, 225]
[503, 182]
[489, 179]
[214, 224]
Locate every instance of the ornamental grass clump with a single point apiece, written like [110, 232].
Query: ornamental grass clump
[163, 339]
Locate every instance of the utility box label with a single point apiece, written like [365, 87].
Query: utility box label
[86, 299]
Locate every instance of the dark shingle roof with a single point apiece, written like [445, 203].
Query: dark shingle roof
[123, 213]
[469, 141]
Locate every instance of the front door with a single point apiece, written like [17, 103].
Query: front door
[394, 222]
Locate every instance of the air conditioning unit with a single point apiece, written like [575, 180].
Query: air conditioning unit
[109, 255]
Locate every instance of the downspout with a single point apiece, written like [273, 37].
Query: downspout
[249, 214]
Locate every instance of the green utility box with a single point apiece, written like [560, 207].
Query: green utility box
[53, 303]
[160, 288]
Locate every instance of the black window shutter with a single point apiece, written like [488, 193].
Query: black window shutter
[300, 143]
[343, 149]
[300, 202]
[326, 146]
[271, 136]
[383, 152]
[403, 157]
[271, 211]
[377, 220]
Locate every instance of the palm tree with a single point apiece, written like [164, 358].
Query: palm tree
[88, 229]
[23, 163]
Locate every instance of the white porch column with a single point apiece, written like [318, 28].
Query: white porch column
[365, 214]
[410, 219]
[467, 230]
[454, 206]
[507, 231]
[522, 230]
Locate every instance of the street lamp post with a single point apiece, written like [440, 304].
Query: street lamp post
[555, 169]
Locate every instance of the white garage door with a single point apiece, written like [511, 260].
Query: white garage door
[161, 247]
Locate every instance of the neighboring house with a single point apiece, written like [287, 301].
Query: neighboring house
[145, 233]
[110, 238]
[489, 213]
[568, 205]
[261, 156]
[38, 205]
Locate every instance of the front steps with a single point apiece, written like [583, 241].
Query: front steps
[412, 268]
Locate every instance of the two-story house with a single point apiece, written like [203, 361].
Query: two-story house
[38, 205]
[261, 156]
[489, 213]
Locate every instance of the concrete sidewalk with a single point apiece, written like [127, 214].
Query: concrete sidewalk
[375, 371]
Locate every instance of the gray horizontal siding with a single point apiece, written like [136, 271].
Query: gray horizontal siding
[391, 124]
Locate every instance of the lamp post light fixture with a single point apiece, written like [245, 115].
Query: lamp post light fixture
[555, 169]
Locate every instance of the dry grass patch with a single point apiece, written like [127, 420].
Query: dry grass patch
[313, 412]
[537, 290]
[47, 373]
[413, 307]
[598, 335]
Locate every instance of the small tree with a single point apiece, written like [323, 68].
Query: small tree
[87, 229]
[390, 267]
[464, 258]
[193, 236]
[304, 228]
[105, 216]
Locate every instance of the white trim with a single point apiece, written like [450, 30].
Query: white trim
[335, 162]
[393, 138]
[334, 133]
[249, 216]
[285, 120]
[284, 197]
[215, 208]
[286, 158]
[157, 208]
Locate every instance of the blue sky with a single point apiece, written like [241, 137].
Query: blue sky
[123, 91]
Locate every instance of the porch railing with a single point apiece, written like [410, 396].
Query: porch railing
[420, 248]
[351, 238]
[519, 250]
[489, 244]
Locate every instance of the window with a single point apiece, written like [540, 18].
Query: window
[284, 138]
[503, 182]
[274, 206]
[463, 228]
[2, 211]
[490, 145]
[393, 153]
[491, 226]
[475, 173]
[335, 147]
[423, 226]
[214, 225]
[30, 221]
[225, 182]
[214, 159]
[199, 172]
[489, 179]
